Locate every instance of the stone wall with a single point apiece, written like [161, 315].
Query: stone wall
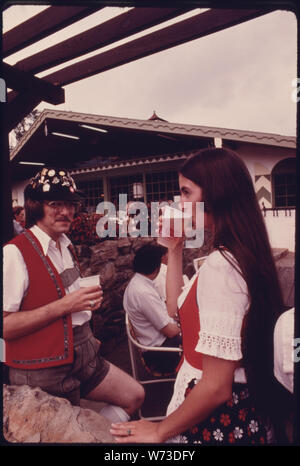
[113, 259]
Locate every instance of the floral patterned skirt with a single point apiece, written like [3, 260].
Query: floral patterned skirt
[233, 423]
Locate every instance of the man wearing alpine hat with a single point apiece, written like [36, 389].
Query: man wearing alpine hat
[48, 339]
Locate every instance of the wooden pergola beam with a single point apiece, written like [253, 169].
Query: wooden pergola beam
[32, 91]
[23, 81]
[41, 25]
[110, 31]
[192, 28]
[7, 230]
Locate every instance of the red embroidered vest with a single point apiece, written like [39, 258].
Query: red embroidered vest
[53, 344]
[190, 327]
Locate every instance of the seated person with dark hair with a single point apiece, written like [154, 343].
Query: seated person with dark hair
[148, 313]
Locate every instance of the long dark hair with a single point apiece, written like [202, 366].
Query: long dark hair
[228, 194]
[34, 211]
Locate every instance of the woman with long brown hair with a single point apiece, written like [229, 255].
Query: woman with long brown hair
[225, 391]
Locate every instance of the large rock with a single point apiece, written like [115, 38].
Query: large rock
[125, 245]
[107, 273]
[31, 415]
[103, 252]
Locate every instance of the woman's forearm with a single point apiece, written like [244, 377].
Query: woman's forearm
[214, 389]
[199, 404]
[174, 281]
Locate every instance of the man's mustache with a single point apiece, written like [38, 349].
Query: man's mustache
[63, 219]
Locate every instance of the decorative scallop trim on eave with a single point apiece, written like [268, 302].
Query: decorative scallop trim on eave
[192, 130]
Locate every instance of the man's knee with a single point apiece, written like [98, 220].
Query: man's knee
[141, 395]
[137, 397]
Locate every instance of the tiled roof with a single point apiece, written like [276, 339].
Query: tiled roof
[131, 163]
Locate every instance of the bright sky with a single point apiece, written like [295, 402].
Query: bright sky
[239, 78]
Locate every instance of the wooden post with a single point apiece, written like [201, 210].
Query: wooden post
[106, 191]
[145, 187]
[6, 196]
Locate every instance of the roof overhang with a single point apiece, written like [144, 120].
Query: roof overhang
[78, 141]
[75, 140]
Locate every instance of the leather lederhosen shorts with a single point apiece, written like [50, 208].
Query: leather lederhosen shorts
[71, 381]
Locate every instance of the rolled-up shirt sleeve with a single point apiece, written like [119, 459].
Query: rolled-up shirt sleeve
[15, 278]
[222, 297]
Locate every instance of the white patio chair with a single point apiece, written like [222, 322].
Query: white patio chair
[136, 354]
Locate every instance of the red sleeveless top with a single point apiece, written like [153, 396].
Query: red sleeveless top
[190, 327]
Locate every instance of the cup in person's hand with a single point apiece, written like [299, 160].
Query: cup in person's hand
[92, 280]
[173, 224]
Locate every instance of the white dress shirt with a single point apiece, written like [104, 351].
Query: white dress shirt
[146, 310]
[15, 275]
[160, 282]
